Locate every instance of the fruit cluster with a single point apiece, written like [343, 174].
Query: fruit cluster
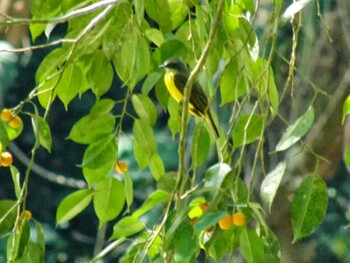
[237, 219]
[13, 121]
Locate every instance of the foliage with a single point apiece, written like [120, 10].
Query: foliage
[129, 39]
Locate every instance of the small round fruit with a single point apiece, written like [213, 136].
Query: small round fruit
[6, 115]
[239, 219]
[6, 159]
[26, 214]
[121, 167]
[225, 222]
[15, 123]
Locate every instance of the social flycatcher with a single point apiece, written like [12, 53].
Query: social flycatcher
[175, 79]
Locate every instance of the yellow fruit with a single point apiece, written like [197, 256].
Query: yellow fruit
[6, 115]
[6, 159]
[121, 167]
[239, 219]
[15, 123]
[225, 222]
[26, 214]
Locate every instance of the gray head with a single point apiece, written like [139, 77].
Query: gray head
[175, 64]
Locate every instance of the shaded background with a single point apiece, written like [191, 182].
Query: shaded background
[322, 65]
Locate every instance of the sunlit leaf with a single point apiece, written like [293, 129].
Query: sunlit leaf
[91, 127]
[127, 226]
[100, 75]
[73, 204]
[309, 206]
[69, 85]
[145, 108]
[132, 62]
[154, 35]
[16, 180]
[156, 166]
[4, 139]
[271, 182]
[297, 130]
[109, 199]
[346, 108]
[150, 82]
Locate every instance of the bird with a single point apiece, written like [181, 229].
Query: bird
[175, 79]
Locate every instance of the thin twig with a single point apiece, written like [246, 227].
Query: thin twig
[60, 19]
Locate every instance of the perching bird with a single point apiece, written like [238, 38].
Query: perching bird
[175, 79]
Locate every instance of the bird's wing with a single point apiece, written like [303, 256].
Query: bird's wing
[198, 98]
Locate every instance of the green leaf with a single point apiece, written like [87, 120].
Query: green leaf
[4, 139]
[346, 108]
[32, 253]
[246, 4]
[16, 180]
[69, 85]
[152, 200]
[73, 204]
[150, 82]
[144, 137]
[156, 166]
[297, 130]
[102, 107]
[46, 91]
[40, 238]
[155, 36]
[271, 182]
[109, 199]
[248, 129]
[92, 127]
[42, 132]
[7, 217]
[145, 108]
[22, 239]
[185, 243]
[127, 226]
[225, 242]
[101, 153]
[93, 175]
[171, 49]
[100, 75]
[309, 206]
[200, 145]
[167, 181]
[232, 83]
[13, 133]
[208, 220]
[132, 62]
[139, 10]
[252, 246]
[175, 118]
[215, 175]
[42, 9]
[128, 189]
[168, 14]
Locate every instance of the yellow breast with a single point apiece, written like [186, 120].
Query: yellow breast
[170, 84]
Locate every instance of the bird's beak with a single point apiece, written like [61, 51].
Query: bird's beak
[162, 66]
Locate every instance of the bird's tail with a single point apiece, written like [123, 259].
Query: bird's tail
[209, 118]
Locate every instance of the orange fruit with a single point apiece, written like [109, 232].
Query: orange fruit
[239, 219]
[121, 167]
[15, 123]
[225, 222]
[6, 115]
[6, 159]
[203, 206]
